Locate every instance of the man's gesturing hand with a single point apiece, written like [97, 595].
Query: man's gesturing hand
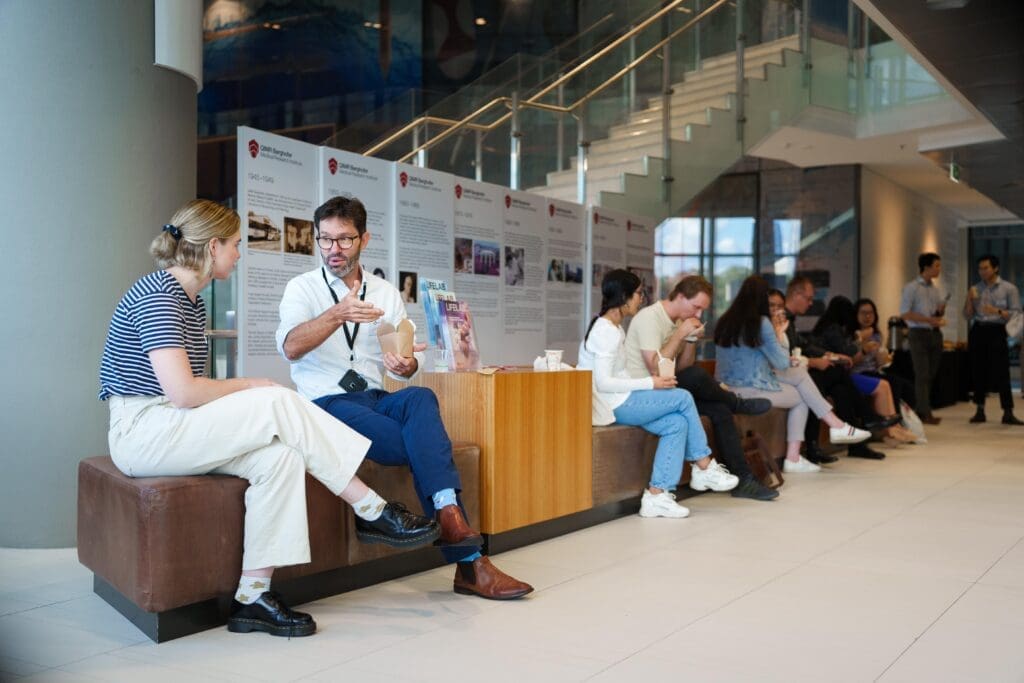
[352, 310]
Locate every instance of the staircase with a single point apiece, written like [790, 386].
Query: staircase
[625, 169]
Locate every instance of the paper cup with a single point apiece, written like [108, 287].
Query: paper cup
[666, 367]
[553, 358]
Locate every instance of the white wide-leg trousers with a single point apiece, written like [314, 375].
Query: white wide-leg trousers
[270, 436]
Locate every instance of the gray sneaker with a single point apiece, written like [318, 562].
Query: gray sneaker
[752, 488]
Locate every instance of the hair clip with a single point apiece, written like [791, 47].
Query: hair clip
[175, 232]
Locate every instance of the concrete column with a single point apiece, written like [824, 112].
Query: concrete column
[99, 148]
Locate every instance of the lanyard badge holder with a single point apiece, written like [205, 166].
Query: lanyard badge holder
[351, 381]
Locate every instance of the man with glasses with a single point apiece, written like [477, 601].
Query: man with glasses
[830, 373]
[328, 331]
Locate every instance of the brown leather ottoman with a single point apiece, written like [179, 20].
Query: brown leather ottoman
[167, 551]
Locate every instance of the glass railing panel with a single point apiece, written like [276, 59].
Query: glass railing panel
[894, 79]
[858, 69]
[775, 101]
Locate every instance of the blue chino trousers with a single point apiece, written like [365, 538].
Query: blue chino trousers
[406, 429]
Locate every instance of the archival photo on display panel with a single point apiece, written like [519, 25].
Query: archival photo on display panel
[277, 194]
[370, 180]
[524, 278]
[564, 259]
[477, 255]
[424, 233]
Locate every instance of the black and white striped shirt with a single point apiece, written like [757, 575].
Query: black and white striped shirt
[155, 313]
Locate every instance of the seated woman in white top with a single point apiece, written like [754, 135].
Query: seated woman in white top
[168, 419]
[649, 402]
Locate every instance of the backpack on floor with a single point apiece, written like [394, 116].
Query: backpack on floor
[762, 464]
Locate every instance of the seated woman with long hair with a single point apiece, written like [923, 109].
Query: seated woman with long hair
[876, 356]
[168, 419]
[749, 349]
[837, 331]
[649, 402]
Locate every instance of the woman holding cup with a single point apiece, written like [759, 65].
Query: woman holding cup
[653, 403]
[753, 359]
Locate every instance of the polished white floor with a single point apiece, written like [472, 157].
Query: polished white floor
[911, 569]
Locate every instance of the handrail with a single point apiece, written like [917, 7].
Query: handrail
[532, 101]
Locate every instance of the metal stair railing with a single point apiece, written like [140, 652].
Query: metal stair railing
[515, 104]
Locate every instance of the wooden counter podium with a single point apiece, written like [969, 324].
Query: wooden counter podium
[533, 430]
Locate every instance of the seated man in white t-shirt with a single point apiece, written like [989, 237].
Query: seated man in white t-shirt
[668, 330]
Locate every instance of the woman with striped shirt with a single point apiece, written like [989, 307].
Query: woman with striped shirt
[167, 419]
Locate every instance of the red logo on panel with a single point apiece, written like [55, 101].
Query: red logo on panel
[551, 209]
[597, 218]
[458, 191]
[254, 148]
[508, 201]
[403, 178]
[332, 165]
[629, 225]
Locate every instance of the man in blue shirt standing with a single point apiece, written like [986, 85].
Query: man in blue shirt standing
[989, 305]
[923, 306]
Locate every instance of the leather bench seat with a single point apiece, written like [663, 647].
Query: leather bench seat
[167, 542]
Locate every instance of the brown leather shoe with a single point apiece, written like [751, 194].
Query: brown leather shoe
[482, 578]
[930, 419]
[455, 530]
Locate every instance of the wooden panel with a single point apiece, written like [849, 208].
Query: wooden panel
[534, 434]
[542, 464]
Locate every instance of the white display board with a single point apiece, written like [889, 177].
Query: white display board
[479, 233]
[277, 194]
[565, 265]
[524, 277]
[424, 232]
[608, 248]
[345, 174]
[640, 251]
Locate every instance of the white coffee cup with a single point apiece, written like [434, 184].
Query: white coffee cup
[666, 367]
[553, 358]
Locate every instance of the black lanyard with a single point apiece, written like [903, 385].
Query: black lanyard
[350, 338]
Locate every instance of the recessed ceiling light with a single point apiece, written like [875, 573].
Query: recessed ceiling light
[480, 21]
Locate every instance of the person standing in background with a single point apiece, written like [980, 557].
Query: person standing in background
[923, 305]
[989, 305]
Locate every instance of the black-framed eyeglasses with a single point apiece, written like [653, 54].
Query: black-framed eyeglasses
[327, 243]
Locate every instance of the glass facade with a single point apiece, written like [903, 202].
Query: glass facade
[778, 222]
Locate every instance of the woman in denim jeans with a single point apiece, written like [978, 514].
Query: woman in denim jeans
[649, 402]
[750, 346]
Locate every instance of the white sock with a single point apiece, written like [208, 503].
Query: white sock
[369, 507]
[250, 588]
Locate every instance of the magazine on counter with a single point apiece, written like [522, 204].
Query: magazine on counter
[432, 293]
[459, 336]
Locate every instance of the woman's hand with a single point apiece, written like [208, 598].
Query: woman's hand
[255, 382]
[664, 382]
[780, 322]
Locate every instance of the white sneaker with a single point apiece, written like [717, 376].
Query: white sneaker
[661, 505]
[716, 477]
[847, 434]
[800, 466]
